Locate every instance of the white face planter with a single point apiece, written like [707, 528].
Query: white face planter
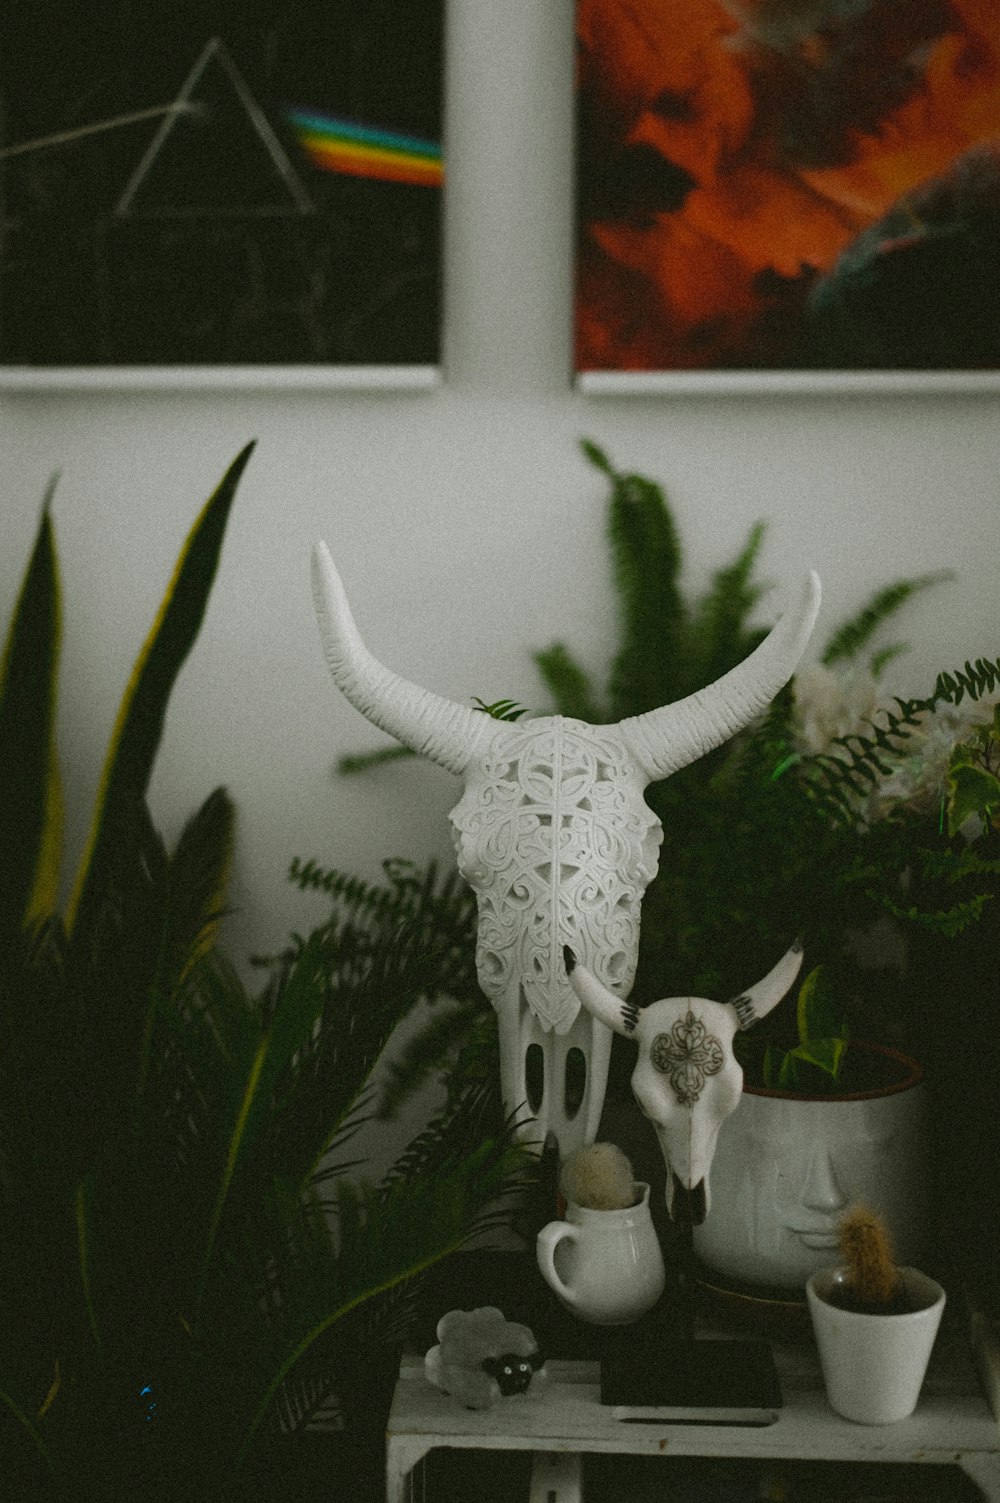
[686, 1078]
[553, 834]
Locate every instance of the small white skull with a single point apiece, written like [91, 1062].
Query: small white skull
[686, 1079]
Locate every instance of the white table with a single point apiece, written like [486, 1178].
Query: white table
[561, 1419]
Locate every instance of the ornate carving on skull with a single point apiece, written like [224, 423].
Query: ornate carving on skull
[555, 837]
[687, 1056]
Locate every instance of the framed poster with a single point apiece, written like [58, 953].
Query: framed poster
[202, 192]
[788, 194]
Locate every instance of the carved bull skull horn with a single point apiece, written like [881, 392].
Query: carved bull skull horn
[662, 740]
[441, 729]
[622, 1016]
[665, 740]
[759, 1000]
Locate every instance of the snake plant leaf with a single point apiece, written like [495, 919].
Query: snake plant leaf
[813, 1067]
[198, 879]
[288, 1032]
[139, 727]
[30, 802]
[817, 1014]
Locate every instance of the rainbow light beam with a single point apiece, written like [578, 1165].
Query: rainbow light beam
[366, 150]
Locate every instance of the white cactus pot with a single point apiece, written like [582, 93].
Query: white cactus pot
[787, 1167]
[874, 1365]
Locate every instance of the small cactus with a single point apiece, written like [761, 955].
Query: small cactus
[599, 1177]
[871, 1278]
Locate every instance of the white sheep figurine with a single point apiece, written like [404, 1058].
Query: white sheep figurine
[482, 1357]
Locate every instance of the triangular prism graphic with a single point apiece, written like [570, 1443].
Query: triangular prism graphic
[215, 154]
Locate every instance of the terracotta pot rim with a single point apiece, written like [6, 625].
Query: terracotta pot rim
[913, 1075]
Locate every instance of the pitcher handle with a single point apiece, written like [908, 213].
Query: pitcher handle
[545, 1246]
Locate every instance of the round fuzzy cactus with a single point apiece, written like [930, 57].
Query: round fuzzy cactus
[598, 1177]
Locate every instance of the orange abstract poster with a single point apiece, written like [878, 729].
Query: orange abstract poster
[801, 185]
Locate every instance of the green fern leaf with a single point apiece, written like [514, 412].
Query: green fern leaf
[500, 709]
[948, 922]
[721, 636]
[646, 563]
[853, 635]
[353, 762]
[568, 684]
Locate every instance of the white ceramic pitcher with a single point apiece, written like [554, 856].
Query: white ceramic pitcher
[604, 1266]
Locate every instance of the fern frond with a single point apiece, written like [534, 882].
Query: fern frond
[951, 866]
[568, 683]
[387, 1236]
[835, 779]
[500, 709]
[345, 887]
[646, 563]
[948, 922]
[720, 634]
[401, 897]
[855, 634]
[352, 762]
[426, 1054]
[975, 680]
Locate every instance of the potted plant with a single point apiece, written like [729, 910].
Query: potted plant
[864, 823]
[806, 825]
[192, 1266]
[820, 1124]
[875, 1325]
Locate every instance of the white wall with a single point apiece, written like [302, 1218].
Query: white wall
[467, 526]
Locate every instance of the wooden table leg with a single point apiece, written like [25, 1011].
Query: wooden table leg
[556, 1477]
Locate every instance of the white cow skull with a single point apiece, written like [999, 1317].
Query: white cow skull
[555, 837]
[686, 1079]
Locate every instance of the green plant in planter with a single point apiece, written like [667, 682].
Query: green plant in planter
[814, 1064]
[914, 797]
[30, 802]
[973, 779]
[915, 801]
[78, 990]
[190, 1265]
[748, 859]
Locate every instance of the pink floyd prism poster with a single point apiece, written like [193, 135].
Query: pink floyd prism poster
[206, 183]
[787, 185]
